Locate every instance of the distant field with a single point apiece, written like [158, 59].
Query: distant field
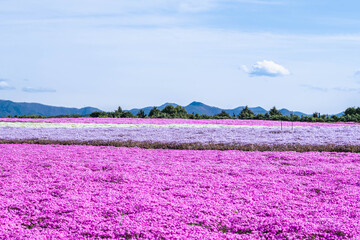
[185, 134]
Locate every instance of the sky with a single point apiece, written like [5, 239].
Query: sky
[297, 54]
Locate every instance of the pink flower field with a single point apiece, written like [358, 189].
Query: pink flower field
[89, 192]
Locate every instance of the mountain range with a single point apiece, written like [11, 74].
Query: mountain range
[201, 108]
[23, 108]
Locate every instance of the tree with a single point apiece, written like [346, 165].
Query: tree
[223, 114]
[126, 115]
[274, 112]
[169, 110]
[295, 118]
[173, 112]
[118, 112]
[259, 116]
[96, 114]
[180, 112]
[154, 112]
[316, 115]
[141, 114]
[350, 111]
[246, 113]
[190, 116]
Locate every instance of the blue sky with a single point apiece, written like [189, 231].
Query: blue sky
[300, 55]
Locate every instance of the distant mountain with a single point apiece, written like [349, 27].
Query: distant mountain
[201, 108]
[340, 114]
[148, 109]
[286, 112]
[14, 108]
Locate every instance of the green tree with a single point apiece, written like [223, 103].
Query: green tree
[126, 115]
[350, 111]
[190, 116]
[154, 112]
[295, 118]
[316, 115]
[141, 114]
[223, 114]
[246, 113]
[96, 114]
[274, 112]
[169, 110]
[119, 110]
[259, 116]
[180, 112]
[118, 113]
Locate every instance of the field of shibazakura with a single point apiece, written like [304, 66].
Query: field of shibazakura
[178, 179]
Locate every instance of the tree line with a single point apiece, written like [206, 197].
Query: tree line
[351, 114]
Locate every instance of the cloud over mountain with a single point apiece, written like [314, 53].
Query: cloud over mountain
[5, 86]
[266, 68]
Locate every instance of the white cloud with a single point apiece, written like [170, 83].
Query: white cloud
[38, 90]
[5, 86]
[266, 68]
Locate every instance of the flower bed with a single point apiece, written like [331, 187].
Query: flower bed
[79, 192]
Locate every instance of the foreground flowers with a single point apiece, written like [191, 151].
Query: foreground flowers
[106, 192]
